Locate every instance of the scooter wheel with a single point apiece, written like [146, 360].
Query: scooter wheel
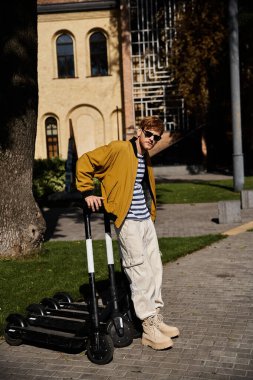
[50, 303]
[36, 309]
[101, 353]
[11, 332]
[63, 297]
[11, 336]
[120, 341]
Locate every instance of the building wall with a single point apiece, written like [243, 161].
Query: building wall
[92, 106]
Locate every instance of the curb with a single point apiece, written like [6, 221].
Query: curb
[239, 229]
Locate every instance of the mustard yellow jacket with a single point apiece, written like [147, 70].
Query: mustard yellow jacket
[115, 166]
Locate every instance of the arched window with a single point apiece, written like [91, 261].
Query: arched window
[52, 137]
[98, 54]
[65, 56]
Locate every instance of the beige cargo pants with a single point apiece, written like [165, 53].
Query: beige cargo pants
[142, 263]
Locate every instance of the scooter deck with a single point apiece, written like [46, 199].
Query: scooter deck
[59, 323]
[69, 313]
[77, 311]
[41, 335]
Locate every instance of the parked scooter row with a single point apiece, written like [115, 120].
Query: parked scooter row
[61, 323]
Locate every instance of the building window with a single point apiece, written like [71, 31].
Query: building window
[98, 54]
[65, 56]
[52, 137]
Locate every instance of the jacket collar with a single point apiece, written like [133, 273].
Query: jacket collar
[133, 142]
[147, 161]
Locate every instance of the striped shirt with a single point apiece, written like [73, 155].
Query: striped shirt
[138, 209]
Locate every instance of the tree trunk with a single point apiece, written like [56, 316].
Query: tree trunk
[21, 224]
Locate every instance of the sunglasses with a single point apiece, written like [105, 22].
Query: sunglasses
[150, 134]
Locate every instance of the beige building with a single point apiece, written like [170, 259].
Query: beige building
[79, 75]
[101, 68]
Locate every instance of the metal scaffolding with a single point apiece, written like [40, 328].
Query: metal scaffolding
[152, 27]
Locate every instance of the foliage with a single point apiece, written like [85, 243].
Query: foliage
[48, 176]
[246, 43]
[197, 50]
[62, 266]
[246, 61]
[97, 187]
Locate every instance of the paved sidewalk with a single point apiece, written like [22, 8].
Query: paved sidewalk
[208, 295]
[172, 220]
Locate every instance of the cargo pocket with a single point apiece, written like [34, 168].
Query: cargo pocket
[130, 244]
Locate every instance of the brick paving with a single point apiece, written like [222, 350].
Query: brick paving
[208, 295]
[172, 220]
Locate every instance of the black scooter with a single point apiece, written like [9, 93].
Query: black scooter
[71, 325]
[61, 305]
[56, 332]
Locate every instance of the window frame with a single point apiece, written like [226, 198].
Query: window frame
[106, 41]
[73, 63]
[54, 137]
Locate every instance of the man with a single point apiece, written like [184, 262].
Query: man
[128, 193]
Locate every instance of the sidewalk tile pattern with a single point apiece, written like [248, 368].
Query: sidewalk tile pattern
[208, 295]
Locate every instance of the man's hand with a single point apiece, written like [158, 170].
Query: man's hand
[94, 202]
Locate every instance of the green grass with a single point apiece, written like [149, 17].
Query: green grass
[197, 191]
[62, 267]
[173, 248]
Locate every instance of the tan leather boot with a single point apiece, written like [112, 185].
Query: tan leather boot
[170, 331]
[153, 337]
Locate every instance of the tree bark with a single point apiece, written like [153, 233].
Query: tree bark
[21, 223]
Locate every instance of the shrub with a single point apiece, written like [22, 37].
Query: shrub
[97, 187]
[48, 177]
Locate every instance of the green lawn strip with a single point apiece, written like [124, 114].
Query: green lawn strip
[173, 248]
[62, 266]
[197, 191]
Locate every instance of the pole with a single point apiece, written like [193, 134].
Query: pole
[238, 164]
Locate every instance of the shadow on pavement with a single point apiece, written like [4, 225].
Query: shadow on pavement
[69, 217]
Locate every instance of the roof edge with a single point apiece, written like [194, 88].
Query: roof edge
[76, 7]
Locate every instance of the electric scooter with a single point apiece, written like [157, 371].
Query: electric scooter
[89, 335]
[61, 305]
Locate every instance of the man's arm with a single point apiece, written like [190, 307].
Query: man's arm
[89, 165]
